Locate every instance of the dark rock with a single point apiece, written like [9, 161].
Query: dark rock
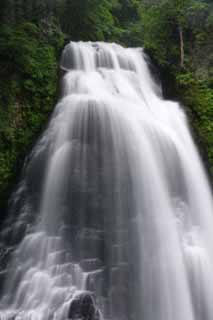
[91, 264]
[3, 276]
[119, 254]
[120, 275]
[83, 307]
[97, 282]
[119, 236]
[119, 302]
[89, 243]
[121, 291]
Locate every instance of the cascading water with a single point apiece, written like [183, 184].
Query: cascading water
[114, 214]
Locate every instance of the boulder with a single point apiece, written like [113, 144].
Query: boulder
[83, 307]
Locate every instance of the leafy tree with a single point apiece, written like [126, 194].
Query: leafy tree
[167, 23]
[127, 28]
[179, 36]
[88, 19]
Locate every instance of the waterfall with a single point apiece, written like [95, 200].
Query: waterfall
[113, 216]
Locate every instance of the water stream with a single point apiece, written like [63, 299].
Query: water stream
[113, 217]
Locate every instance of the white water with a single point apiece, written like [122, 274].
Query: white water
[121, 200]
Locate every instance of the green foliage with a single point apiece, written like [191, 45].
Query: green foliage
[163, 23]
[88, 19]
[28, 77]
[198, 98]
[127, 23]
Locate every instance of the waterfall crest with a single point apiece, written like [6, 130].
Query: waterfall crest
[113, 217]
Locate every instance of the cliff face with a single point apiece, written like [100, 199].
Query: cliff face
[196, 96]
[28, 79]
[178, 37]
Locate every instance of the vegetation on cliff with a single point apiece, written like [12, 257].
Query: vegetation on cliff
[28, 80]
[177, 34]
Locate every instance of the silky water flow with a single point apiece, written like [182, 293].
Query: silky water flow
[113, 216]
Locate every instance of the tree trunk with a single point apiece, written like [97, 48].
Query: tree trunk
[182, 54]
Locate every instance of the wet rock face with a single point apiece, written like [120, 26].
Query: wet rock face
[100, 202]
[83, 307]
